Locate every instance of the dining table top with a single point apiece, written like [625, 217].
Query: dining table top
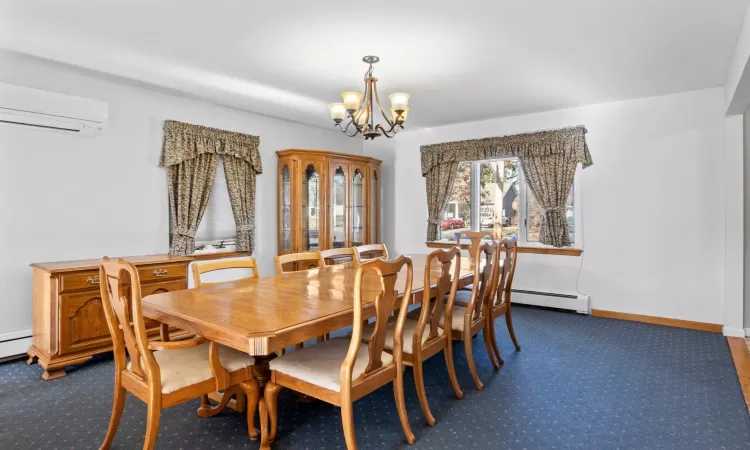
[260, 316]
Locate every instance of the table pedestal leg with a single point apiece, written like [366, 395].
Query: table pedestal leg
[262, 372]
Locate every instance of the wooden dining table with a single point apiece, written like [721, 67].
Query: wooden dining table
[263, 316]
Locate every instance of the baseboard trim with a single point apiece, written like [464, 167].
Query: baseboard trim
[741, 357]
[13, 344]
[678, 323]
[733, 332]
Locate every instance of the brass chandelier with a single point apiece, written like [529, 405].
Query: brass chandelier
[358, 108]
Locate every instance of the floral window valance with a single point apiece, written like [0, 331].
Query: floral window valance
[183, 141]
[569, 142]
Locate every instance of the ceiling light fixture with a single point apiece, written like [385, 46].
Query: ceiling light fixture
[358, 108]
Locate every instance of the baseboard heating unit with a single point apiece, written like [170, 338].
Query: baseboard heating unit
[579, 303]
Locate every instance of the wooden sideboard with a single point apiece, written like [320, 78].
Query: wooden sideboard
[69, 326]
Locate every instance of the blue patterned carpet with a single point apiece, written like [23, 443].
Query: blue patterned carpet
[579, 382]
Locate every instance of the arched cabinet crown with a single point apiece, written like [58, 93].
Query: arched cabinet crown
[327, 200]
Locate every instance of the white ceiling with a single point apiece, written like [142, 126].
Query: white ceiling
[460, 60]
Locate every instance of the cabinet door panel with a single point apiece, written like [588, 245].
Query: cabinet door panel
[286, 167]
[311, 200]
[82, 322]
[357, 210]
[373, 204]
[339, 174]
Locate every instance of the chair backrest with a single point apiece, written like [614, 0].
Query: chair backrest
[372, 251]
[511, 257]
[339, 256]
[119, 277]
[475, 238]
[484, 275]
[304, 261]
[385, 298]
[201, 267]
[447, 284]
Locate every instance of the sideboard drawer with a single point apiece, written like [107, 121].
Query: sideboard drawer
[162, 272]
[79, 280]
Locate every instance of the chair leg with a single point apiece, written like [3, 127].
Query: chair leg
[509, 322]
[347, 421]
[271, 395]
[398, 392]
[114, 422]
[152, 422]
[493, 341]
[472, 364]
[419, 381]
[251, 389]
[487, 334]
[452, 370]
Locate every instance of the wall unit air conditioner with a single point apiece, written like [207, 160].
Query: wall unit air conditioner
[35, 109]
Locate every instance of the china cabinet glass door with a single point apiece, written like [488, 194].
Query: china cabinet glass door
[286, 209]
[338, 209]
[374, 207]
[310, 209]
[357, 207]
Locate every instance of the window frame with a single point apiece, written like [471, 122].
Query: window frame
[475, 199]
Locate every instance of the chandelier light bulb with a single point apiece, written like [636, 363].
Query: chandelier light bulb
[351, 101]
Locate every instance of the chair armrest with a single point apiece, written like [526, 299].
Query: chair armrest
[173, 345]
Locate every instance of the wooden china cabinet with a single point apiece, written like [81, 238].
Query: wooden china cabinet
[327, 200]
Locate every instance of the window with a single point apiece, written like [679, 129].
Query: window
[217, 223]
[493, 196]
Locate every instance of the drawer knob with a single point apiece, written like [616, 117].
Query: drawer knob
[160, 272]
[93, 280]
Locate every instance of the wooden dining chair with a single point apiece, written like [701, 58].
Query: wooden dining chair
[372, 251]
[201, 267]
[339, 256]
[343, 370]
[501, 302]
[423, 337]
[475, 238]
[163, 374]
[468, 320]
[301, 261]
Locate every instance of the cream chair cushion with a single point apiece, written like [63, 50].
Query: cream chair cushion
[321, 364]
[457, 320]
[188, 366]
[410, 327]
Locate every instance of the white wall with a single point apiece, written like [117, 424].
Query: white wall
[383, 149]
[66, 197]
[653, 203]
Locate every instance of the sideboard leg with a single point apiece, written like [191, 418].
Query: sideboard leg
[53, 374]
[32, 357]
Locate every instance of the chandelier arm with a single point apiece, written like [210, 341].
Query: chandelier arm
[393, 131]
[390, 122]
[357, 130]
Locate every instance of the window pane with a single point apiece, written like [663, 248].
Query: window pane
[217, 222]
[457, 215]
[498, 198]
[534, 212]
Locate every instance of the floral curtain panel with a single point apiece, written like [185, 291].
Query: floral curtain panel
[548, 159]
[190, 154]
